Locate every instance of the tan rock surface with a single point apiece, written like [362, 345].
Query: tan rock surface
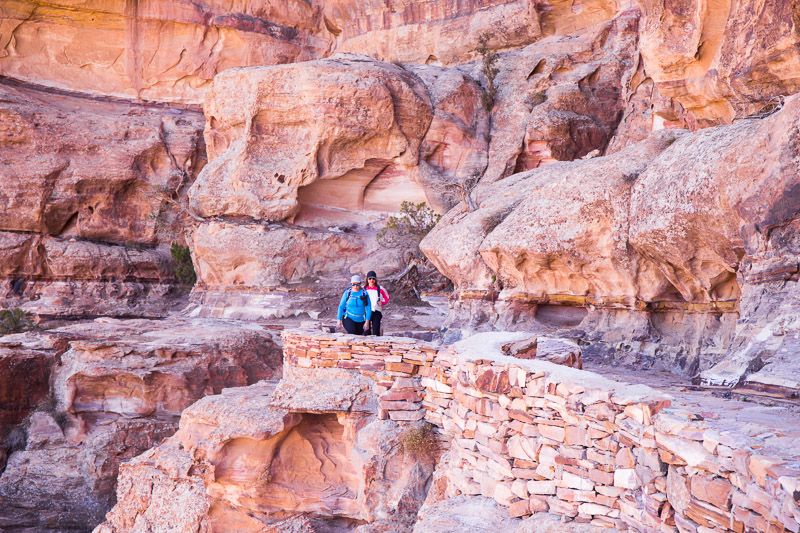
[88, 167]
[447, 33]
[560, 98]
[161, 50]
[721, 59]
[677, 222]
[119, 389]
[81, 218]
[230, 255]
[444, 33]
[347, 117]
[240, 463]
[589, 219]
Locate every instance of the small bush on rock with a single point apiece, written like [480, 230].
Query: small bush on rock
[407, 229]
[489, 68]
[421, 442]
[182, 264]
[15, 321]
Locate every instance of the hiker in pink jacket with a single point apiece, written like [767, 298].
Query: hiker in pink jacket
[378, 297]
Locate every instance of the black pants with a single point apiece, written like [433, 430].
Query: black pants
[374, 324]
[352, 327]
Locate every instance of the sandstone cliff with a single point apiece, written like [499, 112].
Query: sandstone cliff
[101, 393]
[621, 173]
[86, 225]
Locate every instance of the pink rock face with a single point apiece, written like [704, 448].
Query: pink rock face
[80, 187]
[447, 33]
[443, 33]
[348, 118]
[666, 234]
[153, 50]
[592, 202]
[720, 59]
[267, 257]
[89, 168]
[561, 97]
[118, 389]
[240, 463]
[455, 148]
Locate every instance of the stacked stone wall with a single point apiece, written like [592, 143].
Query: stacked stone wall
[538, 437]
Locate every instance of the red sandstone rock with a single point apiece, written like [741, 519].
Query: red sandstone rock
[78, 192]
[262, 149]
[119, 389]
[237, 462]
[26, 362]
[720, 59]
[268, 257]
[560, 98]
[162, 50]
[669, 240]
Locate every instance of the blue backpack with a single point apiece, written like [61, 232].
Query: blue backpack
[364, 297]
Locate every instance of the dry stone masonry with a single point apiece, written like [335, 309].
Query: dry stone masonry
[541, 437]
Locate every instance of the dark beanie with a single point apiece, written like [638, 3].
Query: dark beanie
[371, 274]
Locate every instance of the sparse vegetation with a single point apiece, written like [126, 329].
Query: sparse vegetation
[182, 264]
[15, 320]
[534, 99]
[265, 477]
[421, 442]
[409, 227]
[463, 188]
[630, 177]
[489, 68]
[403, 233]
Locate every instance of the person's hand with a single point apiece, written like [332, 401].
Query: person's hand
[366, 324]
[340, 324]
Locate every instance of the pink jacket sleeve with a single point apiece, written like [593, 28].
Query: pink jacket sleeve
[384, 297]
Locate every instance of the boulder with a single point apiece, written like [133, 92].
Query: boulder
[117, 390]
[260, 256]
[721, 60]
[239, 462]
[274, 129]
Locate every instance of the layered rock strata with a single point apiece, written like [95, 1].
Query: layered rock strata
[86, 215]
[656, 239]
[116, 391]
[161, 50]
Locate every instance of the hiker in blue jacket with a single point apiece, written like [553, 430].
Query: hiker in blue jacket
[354, 309]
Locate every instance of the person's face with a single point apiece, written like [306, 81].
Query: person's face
[356, 286]
[371, 282]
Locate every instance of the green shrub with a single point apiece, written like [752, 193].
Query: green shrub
[407, 229]
[489, 68]
[182, 264]
[15, 321]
